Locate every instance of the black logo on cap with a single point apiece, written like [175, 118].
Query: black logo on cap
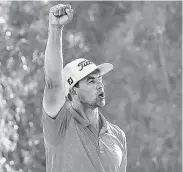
[84, 63]
[70, 81]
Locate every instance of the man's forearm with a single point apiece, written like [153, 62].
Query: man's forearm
[53, 54]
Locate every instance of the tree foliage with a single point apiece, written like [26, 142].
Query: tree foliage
[143, 42]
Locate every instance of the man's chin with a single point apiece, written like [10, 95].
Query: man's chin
[101, 103]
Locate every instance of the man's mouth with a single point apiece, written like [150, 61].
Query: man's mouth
[102, 95]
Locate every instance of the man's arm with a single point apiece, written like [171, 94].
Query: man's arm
[54, 94]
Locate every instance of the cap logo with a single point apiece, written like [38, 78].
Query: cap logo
[83, 64]
[70, 81]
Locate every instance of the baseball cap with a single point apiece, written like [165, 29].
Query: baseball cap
[80, 68]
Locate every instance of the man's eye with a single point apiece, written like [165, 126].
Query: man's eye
[91, 81]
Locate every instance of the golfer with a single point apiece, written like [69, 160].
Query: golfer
[77, 136]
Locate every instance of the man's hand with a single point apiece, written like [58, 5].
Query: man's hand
[60, 15]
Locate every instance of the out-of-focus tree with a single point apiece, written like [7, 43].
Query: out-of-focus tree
[142, 40]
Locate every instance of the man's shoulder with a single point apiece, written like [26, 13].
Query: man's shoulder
[117, 131]
[115, 128]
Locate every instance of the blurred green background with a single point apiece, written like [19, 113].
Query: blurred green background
[142, 40]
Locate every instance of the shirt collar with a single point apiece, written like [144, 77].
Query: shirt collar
[80, 119]
[105, 126]
[85, 122]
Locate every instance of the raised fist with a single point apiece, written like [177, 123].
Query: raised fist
[60, 14]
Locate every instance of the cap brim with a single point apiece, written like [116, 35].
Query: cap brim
[105, 68]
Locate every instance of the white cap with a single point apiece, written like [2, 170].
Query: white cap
[79, 68]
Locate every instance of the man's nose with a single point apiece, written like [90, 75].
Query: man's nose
[100, 85]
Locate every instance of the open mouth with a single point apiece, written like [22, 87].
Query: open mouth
[101, 95]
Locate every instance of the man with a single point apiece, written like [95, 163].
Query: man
[77, 136]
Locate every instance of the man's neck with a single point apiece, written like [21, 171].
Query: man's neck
[92, 114]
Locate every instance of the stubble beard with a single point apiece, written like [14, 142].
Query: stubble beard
[94, 104]
[99, 102]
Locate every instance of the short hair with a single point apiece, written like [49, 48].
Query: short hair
[76, 85]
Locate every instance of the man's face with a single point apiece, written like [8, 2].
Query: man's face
[91, 90]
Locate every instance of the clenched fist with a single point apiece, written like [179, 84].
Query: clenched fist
[60, 14]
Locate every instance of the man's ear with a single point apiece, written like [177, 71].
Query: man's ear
[69, 97]
[72, 92]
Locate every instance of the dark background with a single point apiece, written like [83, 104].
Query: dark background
[142, 40]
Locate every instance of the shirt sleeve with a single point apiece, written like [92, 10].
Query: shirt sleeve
[54, 129]
[122, 137]
[124, 159]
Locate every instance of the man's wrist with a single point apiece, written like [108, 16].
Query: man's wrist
[54, 27]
